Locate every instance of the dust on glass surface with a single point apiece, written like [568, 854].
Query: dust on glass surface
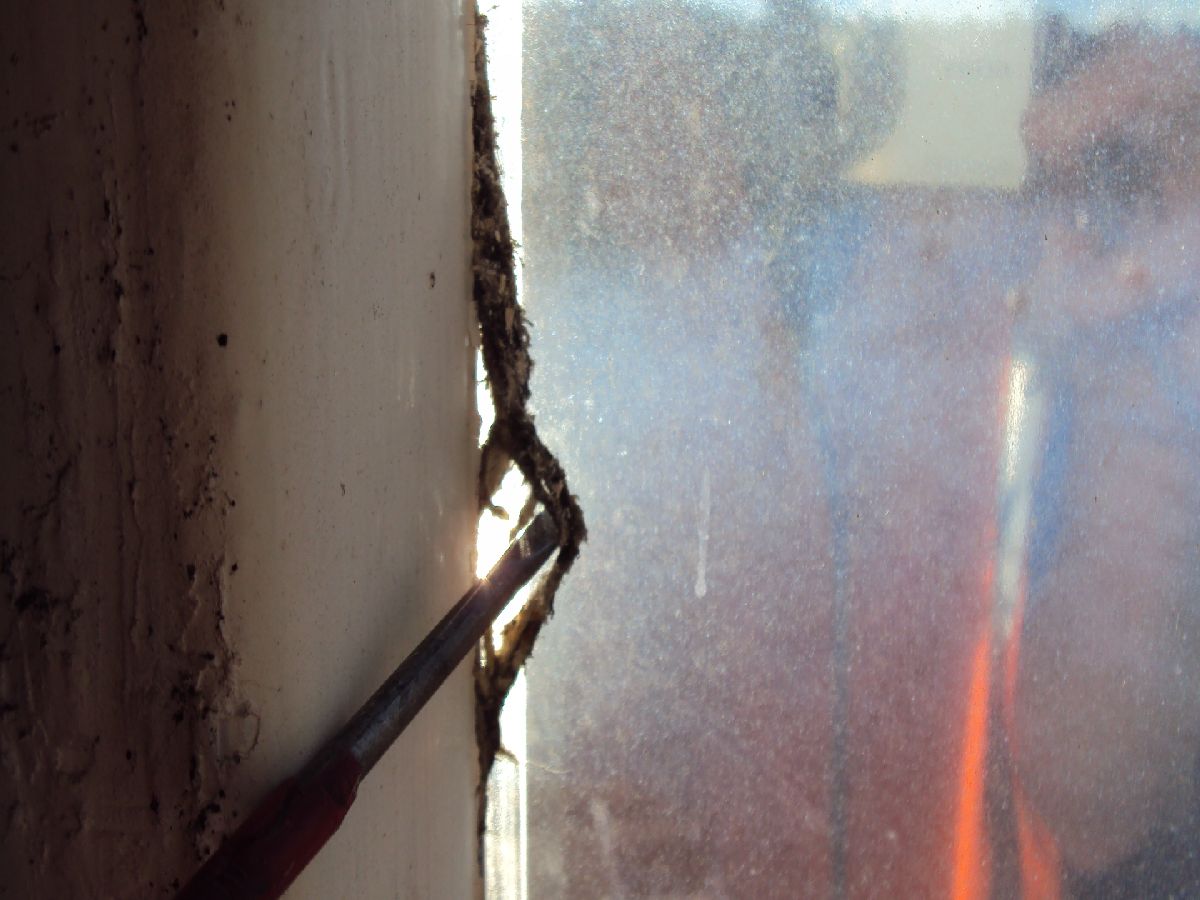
[868, 332]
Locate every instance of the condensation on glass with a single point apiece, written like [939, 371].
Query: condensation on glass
[869, 334]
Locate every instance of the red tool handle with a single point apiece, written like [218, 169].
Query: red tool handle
[281, 836]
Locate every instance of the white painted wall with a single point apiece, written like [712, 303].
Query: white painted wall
[294, 177]
[352, 457]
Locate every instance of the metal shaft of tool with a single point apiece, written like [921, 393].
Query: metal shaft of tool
[383, 717]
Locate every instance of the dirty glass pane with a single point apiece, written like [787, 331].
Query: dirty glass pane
[868, 333]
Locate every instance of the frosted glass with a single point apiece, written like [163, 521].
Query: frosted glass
[868, 335]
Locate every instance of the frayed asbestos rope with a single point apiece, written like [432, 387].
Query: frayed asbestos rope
[513, 438]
